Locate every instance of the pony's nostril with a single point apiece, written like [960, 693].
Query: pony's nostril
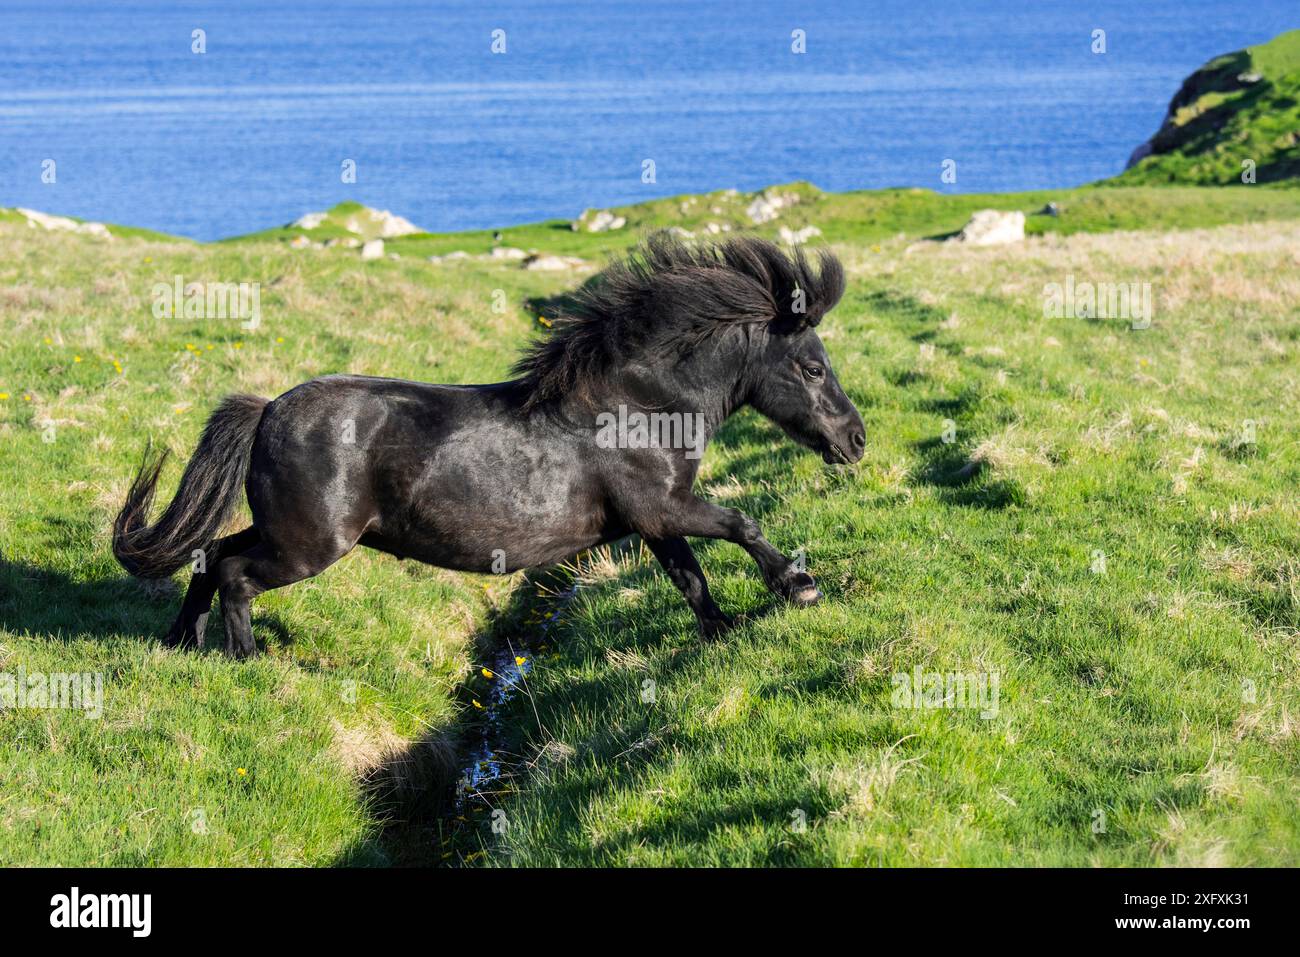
[859, 440]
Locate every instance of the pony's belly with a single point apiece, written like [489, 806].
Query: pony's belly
[485, 546]
[492, 503]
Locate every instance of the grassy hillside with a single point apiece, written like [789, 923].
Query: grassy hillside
[865, 217]
[1240, 106]
[13, 217]
[1148, 704]
[361, 663]
[1155, 699]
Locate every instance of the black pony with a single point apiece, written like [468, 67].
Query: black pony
[598, 437]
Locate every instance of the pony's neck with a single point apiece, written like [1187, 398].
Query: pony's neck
[711, 382]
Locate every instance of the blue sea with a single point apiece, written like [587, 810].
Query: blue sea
[253, 132]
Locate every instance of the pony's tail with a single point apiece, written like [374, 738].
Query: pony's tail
[208, 493]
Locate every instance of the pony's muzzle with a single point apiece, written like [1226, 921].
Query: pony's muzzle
[846, 452]
[846, 443]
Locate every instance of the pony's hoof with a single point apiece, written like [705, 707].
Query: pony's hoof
[178, 636]
[711, 628]
[241, 651]
[802, 590]
[806, 597]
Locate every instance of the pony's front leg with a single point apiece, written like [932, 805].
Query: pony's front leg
[694, 516]
[680, 564]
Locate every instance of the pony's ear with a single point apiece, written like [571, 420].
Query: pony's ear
[802, 294]
[794, 319]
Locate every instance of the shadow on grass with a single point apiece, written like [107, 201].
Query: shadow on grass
[49, 604]
[432, 803]
[962, 480]
[41, 603]
[407, 797]
[603, 661]
[773, 456]
[413, 796]
[964, 403]
[907, 308]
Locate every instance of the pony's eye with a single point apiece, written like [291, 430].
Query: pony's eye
[814, 372]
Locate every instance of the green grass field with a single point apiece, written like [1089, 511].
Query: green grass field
[1147, 709]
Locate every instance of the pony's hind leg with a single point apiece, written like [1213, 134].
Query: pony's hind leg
[189, 627]
[241, 578]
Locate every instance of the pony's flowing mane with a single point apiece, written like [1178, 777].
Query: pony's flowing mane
[667, 293]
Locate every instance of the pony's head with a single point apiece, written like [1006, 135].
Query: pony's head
[798, 391]
[791, 379]
[742, 314]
